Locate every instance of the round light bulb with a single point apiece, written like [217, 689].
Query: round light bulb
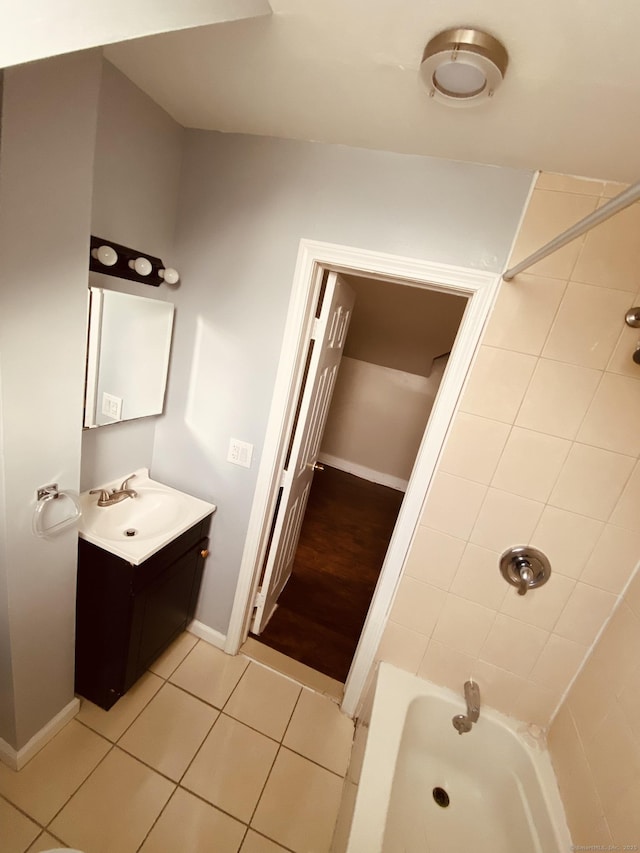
[105, 254]
[459, 79]
[170, 275]
[141, 265]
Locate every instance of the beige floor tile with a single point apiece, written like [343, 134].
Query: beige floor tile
[48, 780]
[113, 723]
[231, 768]
[210, 674]
[320, 731]
[44, 843]
[115, 808]
[17, 831]
[188, 824]
[294, 669]
[169, 731]
[255, 843]
[174, 655]
[299, 806]
[263, 700]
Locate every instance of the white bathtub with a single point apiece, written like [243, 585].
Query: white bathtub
[503, 796]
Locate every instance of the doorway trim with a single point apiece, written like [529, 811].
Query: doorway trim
[313, 259]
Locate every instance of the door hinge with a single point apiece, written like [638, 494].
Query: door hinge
[260, 599]
[314, 328]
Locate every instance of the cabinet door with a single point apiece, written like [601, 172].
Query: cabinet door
[164, 609]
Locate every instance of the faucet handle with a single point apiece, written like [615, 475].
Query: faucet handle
[125, 484]
[104, 494]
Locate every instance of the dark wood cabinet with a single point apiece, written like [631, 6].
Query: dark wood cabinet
[127, 615]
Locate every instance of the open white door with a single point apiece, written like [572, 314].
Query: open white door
[329, 334]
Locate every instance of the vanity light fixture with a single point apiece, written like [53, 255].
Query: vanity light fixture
[142, 266]
[170, 275]
[105, 254]
[462, 66]
[109, 258]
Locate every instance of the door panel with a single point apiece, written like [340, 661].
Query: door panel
[329, 337]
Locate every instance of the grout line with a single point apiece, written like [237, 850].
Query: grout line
[86, 779]
[22, 811]
[181, 661]
[262, 790]
[158, 816]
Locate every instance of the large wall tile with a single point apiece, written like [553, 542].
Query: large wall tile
[568, 539]
[478, 577]
[434, 557]
[453, 505]
[627, 509]
[505, 520]
[570, 184]
[499, 688]
[584, 614]
[446, 666]
[417, 606]
[540, 607]
[583, 808]
[463, 625]
[587, 325]
[497, 384]
[558, 398]
[513, 646]
[402, 647]
[548, 214]
[610, 256]
[524, 312]
[613, 559]
[558, 663]
[530, 464]
[614, 415]
[591, 481]
[470, 432]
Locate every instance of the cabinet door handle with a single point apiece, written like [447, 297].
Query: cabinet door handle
[204, 553]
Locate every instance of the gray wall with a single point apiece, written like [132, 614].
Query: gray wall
[245, 203]
[135, 190]
[48, 137]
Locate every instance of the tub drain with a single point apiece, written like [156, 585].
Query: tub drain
[441, 797]
[130, 531]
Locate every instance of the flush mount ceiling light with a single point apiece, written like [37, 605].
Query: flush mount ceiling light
[463, 66]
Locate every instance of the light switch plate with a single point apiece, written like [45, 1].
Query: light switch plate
[112, 406]
[240, 452]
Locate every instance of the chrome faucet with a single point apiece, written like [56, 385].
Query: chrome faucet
[116, 495]
[463, 722]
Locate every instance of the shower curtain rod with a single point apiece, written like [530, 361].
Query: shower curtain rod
[615, 205]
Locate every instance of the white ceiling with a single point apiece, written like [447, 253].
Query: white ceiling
[345, 71]
[33, 29]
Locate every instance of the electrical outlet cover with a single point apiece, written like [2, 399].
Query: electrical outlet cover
[240, 452]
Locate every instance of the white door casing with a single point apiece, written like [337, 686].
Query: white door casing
[328, 338]
[314, 257]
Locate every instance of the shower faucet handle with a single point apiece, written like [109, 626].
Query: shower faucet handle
[525, 567]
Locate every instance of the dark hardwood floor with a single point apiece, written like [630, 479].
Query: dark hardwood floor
[344, 538]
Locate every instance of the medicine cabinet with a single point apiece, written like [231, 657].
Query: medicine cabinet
[128, 351]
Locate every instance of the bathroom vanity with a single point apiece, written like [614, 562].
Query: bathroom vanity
[137, 592]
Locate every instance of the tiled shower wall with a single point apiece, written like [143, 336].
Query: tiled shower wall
[595, 737]
[544, 451]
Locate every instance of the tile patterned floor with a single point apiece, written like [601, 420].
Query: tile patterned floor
[206, 754]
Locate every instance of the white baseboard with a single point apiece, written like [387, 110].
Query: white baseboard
[209, 635]
[364, 473]
[16, 759]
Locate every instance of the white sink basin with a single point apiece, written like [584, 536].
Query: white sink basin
[137, 527]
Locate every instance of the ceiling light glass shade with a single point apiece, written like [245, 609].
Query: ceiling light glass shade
[463, 66]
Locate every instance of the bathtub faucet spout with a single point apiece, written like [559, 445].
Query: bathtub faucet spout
[463, 722]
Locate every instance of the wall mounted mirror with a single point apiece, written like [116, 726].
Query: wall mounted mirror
[127, 356]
